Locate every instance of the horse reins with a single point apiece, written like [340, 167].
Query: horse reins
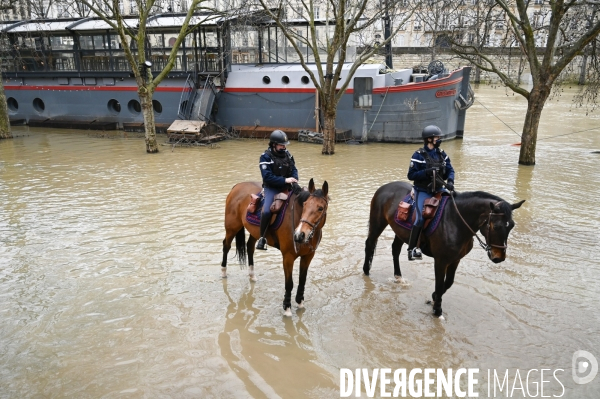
[487, 247]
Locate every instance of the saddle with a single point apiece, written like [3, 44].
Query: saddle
[278, 201]
[430, 207]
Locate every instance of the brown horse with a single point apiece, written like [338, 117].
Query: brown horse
[298, 236]
[465, 214]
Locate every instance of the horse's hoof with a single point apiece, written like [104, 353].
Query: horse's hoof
[223, 272]
[442, 318]
[301, 305]
[288, 312]
[401, 280]
[251, 273]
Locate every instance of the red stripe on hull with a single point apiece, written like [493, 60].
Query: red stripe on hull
[392, 89]
[90, 88]
[416, 86]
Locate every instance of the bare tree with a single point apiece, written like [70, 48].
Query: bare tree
[327, 41]
[549, 37]
[132, 34]
[9, 8]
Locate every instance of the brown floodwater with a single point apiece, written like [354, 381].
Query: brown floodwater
[110, 267]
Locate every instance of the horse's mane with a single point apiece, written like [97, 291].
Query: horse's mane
[303, 195]
[472, 196]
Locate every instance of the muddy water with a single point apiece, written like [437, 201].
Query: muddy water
[110, 283]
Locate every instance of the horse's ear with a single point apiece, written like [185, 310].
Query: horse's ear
[311, 186]
[517, 205]
[492, 206]
[325, 188]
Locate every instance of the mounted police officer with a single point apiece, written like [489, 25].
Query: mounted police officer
[279, 172]
[430, 170]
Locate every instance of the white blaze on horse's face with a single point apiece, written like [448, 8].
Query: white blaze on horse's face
[313, 212]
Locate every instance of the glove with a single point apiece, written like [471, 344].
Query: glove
[450, 185]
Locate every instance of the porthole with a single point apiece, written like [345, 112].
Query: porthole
[305, 80]
[39, 105]
[157, 106]
[285, 80]
[134, 107]
[266, 80]
[13, 104]
[114, 106]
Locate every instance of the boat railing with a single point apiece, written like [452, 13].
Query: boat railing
[188, 97]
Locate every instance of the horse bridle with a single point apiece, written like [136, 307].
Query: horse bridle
[314, 225]
[486, 246]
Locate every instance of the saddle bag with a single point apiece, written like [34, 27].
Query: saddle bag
[429, 207]
[278, 201]
[254, 199]
[403, 210]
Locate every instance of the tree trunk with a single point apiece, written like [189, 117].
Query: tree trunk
[477, 73]
[329, 133]
[535, 105]
[4, 119]
[583, 67]
[149, 127]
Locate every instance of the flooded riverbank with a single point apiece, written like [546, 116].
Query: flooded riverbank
[110, 267]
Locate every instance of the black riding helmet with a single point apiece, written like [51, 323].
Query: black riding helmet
[431, 131]
[278, 137]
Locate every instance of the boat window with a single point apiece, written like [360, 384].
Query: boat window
[305, 79]
[38, 105]
[157, 106]
[134, 107]
[363, 92]
[114, 106]
[13, 104]
[61, 42]
[285, 80]
[266, 80]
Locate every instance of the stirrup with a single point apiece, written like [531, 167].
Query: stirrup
[415, 254]
[262, 244]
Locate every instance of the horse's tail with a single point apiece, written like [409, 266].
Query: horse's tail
[240, 246]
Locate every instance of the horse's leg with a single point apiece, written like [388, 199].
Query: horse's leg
[396, 248]
[377, 224]
[288, 267]
[229, 236]
[440, 274]
[250, 250]
[304, 263]
[450, 272]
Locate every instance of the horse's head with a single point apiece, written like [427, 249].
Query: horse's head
[314, 209]
[495, 227]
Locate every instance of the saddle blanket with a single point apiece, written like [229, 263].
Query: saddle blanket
[408, 223]
[254, 218]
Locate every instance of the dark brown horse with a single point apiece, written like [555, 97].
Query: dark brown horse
[464, 215]
[298, 235]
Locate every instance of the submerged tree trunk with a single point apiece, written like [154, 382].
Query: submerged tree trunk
[583, 67]
[149, 126]
[535, 105]
[329, 133]
[5, 132]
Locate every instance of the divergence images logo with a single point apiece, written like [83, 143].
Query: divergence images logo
[584, 363]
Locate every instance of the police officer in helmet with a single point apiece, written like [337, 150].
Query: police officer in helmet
[279, 172]
[430, 169]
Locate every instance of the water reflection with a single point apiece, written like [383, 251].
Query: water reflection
[260, 355]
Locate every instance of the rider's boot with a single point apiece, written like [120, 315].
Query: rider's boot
[265, 219]
[414, 253]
